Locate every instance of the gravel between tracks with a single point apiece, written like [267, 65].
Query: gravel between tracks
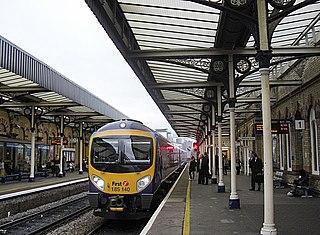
[81, 225]
[41, 208]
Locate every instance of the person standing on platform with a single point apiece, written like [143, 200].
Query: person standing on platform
[256, 172]
[224, 164]
[250, 165]
[205, 168]
[238, 165]
[192, 168]
[200, 170]
[217, 164]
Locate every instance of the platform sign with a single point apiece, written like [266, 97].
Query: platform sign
[247, 138]
[57, 141]
[299, 124]
[276, 128]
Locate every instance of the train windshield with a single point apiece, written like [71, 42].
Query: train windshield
[121, 154]
[105, 151]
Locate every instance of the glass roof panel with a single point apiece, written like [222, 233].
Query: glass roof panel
[290, 28]
[171, 24]
[172, 95]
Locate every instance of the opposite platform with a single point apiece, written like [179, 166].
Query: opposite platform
[16, 186]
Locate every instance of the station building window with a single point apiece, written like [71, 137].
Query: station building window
[13, 161]
[289, 151]
[314, 143]
[274, 149]
[2, 171]
[16, 157]
[43, 156]
[285, 152]
[282, 151]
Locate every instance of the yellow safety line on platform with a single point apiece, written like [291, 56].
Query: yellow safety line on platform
[186, 222]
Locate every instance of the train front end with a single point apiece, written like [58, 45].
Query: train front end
[121, 171]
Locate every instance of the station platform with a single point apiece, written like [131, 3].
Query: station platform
[199, 209]
[17, 186]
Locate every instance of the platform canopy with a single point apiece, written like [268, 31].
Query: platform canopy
[180, 49]
[26, 82]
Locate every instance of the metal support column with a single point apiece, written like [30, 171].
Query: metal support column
[206, 140]
[221, 186]
[248, 158]
[214, 167]
[234, 201]
[33, 145]
[209, 151]
[263, 58]
[61, 147]
[81, 149]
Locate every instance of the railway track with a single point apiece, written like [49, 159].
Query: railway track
[41, 222]
[121, 227]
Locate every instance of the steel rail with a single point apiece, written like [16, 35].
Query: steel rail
[44, 225]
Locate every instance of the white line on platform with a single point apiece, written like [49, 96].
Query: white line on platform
[29, 191]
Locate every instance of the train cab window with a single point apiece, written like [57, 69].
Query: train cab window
[121, 153]
[105, 151]
[137, 150]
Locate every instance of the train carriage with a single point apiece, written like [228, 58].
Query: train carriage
[128, 165]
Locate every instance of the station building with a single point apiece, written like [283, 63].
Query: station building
[15, 143]
[295, 119]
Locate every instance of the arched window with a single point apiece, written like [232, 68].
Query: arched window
[285, 152]
[289, 151]
[314, 143]
[282, 146]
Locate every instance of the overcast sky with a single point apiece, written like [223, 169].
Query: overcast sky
[66, 35]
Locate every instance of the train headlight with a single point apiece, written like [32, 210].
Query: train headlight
[143, 183]
[98, 182]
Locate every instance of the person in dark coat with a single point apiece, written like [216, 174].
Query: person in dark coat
[200, 169]
[217, 164]
[238, 165]
[205, 168]
[224, 164]
[192, 168]
[256, 171]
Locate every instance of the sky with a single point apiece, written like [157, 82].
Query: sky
[65, 35]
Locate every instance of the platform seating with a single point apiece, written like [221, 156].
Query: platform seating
[10, 177]
[41, 174]
[305, 189]
[20, 176]
[278, 180]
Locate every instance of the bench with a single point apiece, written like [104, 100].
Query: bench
[10, 177]
[305, 189]
[41, 173]
[2, 179]
[19, 177]
[278, 181]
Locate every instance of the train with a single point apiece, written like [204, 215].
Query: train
[129, 166]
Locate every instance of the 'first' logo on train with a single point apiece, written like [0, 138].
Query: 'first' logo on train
[125, 183]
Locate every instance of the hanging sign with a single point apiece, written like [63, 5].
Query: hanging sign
[276, 128]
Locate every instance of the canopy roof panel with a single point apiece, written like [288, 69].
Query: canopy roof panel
[179, 50]
[169, 24]
[27, 82]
